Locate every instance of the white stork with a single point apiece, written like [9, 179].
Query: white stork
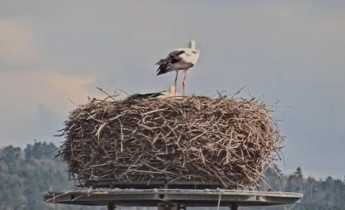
[179, 59]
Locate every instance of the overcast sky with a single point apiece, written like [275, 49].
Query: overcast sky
[54, 54]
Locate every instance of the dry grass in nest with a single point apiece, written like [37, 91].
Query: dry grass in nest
[195, 138]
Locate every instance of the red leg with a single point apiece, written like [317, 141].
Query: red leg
[184, 82]
[176, 82]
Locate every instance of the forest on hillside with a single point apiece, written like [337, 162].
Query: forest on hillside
[26, 174]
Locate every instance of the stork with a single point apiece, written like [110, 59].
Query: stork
[169, 93]
[181, 59]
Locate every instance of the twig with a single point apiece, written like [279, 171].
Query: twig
[110, 96]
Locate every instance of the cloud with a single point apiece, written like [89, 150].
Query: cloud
[17, 42]
[30, 96]
[50, 88]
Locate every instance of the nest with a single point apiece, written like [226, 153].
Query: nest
[222, 140]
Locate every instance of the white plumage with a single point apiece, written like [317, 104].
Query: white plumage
[179, 59]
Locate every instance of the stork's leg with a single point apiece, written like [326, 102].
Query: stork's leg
[184, 82]
[176, 82]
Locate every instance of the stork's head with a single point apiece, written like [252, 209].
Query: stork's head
[171, 91]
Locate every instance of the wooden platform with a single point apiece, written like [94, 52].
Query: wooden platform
[171, 198]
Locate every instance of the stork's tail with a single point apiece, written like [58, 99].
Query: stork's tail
[162, 70]
[164, 66]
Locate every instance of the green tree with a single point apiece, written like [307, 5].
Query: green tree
[26, 175]
[298, 174]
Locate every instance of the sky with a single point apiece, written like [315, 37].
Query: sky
[290, 54]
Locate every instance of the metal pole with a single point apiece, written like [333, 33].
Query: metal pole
[181, 207]
[234, 206]
[111, 206]
[167, 206]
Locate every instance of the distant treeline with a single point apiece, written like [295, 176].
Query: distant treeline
[25, 175]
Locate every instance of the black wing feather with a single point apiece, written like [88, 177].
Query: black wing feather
[164, 64]
[139, 96]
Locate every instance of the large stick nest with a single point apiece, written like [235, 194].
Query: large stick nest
[223, 140]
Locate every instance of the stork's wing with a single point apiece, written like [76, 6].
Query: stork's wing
[172, 58]
[166, 63]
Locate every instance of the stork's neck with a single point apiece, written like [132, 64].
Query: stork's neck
[192, 45]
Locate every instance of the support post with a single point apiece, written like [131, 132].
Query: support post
[167, 206]
[234, 206]
[111, 206]
[181, 207]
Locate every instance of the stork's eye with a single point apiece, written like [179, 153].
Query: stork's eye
[194, 52]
